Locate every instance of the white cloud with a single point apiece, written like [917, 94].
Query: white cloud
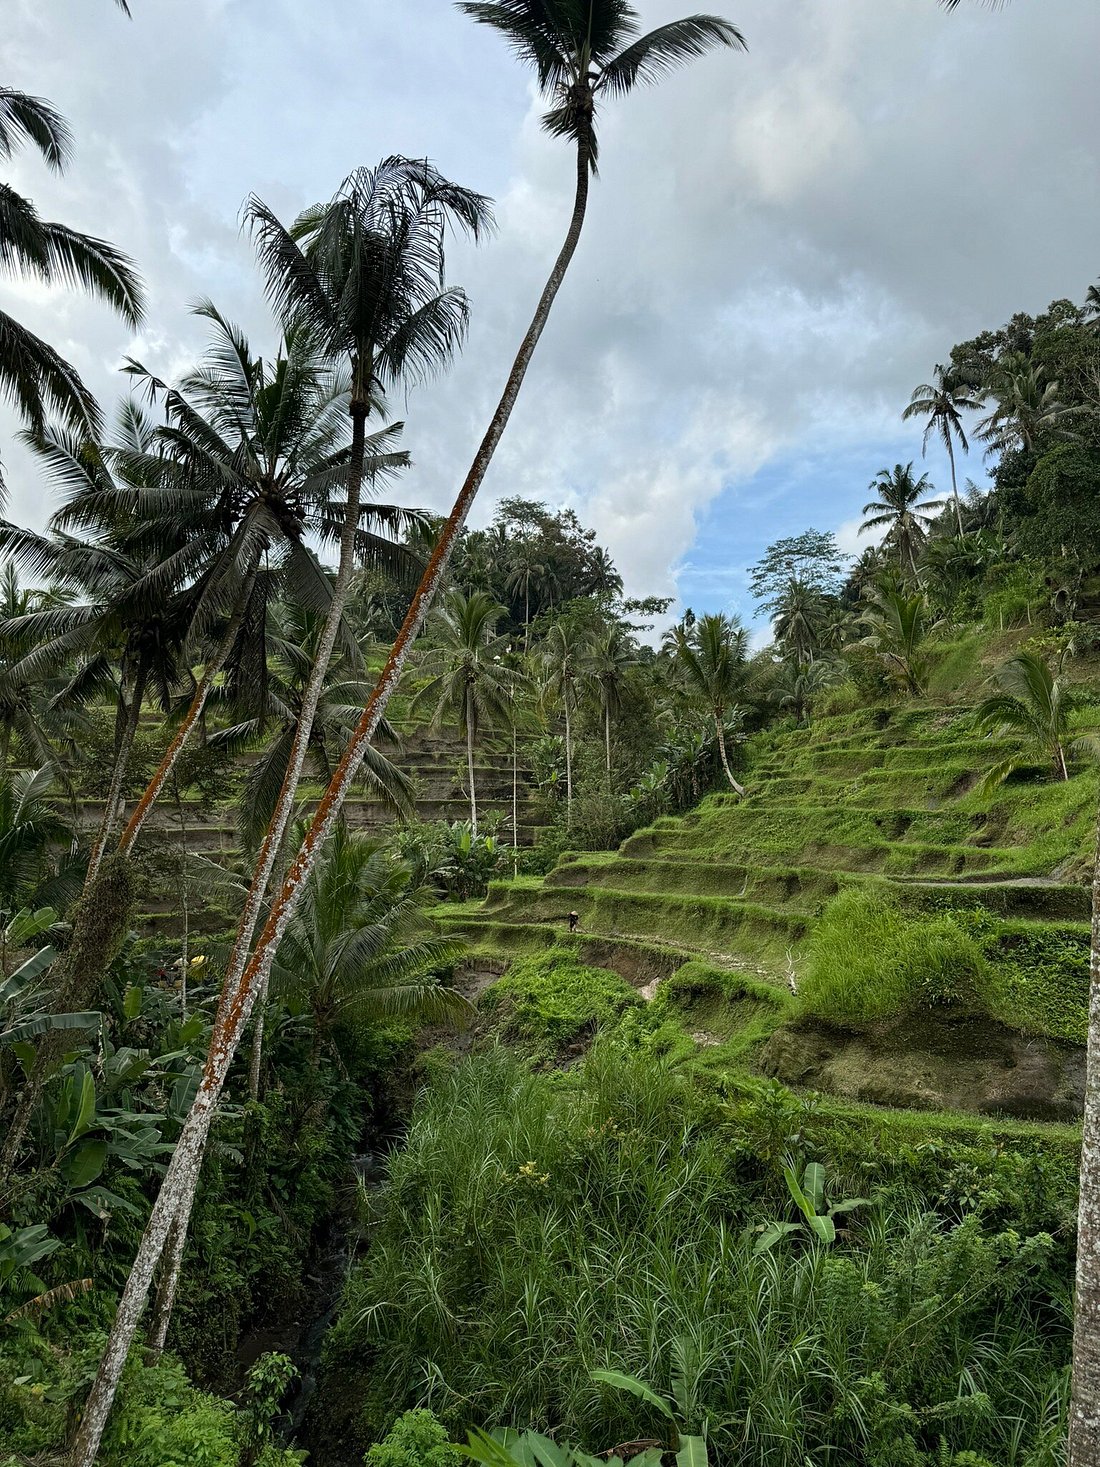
[779, 245]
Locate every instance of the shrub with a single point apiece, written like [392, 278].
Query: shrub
[870, 960]
[548, 1002]
[416, 1439]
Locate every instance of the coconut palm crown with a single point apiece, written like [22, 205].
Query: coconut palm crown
[584, 49]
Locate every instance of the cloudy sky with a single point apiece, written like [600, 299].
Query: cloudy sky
[779, 247]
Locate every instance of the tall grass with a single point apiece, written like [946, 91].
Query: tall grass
[537, 1227]
[871, 960]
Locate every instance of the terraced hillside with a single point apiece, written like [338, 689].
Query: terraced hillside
[886, 802]
[435, 764]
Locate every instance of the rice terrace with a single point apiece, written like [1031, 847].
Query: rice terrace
[549, 734]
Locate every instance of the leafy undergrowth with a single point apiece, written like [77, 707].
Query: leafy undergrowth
[539, 1226]
[551, 1003]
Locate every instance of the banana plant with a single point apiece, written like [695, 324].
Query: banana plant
[806, 1186]
[506, 1447]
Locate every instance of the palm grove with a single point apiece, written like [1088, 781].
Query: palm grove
[234, 607]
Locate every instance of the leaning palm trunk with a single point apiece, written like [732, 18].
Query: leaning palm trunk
[191, 718]
[1084, 1405]
[178, 1187]
[721, 732]
[275, 834]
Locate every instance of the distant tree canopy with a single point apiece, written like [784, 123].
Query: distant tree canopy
[813, 559]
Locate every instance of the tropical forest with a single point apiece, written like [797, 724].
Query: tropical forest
[485, 976]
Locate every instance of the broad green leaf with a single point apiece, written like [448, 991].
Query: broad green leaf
[797, 1194]
[86, 1163]
[813, 1184]
[848, 1205]
[692, 1453]
[102, 1203]
[85, 1106]
[772, 1234]
[824, 1227]
[131, 1003]
[635, 1387]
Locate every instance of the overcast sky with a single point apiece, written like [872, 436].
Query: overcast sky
[779, 247]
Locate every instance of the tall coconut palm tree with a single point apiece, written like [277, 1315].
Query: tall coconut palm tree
[603, 577]
[902, 509]
[566, 656]
[468, 679]
[365, 275]
[610, 658]
[248, 459]
[32, 374]
[800, 620]
[1036, 705]
[712, 656]
[126, 617]
[941, 404]
[577, 58]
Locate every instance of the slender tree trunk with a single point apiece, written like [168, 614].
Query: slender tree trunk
[171, 1266]
[192, 718]
[1084, 1401]
[115, 800]
[515, 786]
[470, 762]
[1060, 766]
[954, 485]
[568, 761]
[607, 740]
[255, 1059]
[721, 732]
[178, 1187]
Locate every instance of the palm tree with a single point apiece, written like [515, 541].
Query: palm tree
[566, 658]
[578, 58]
[32, 374]
[941, 404]
[125, 619]
[1092, 306]
[610, 657]
[898, 625]
[527, 568]
[1027, 408]
[603, 578]
[468, 679]
[248, 459]
[365, 275]
[800, 620]
[1036, 705]
[712, 656]
[899, 508]
[33, 835]
[359, 948]
[798, 683]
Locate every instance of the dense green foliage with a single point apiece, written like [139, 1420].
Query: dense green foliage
[535, 1228]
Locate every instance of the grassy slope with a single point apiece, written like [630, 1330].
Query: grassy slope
[884, 800]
